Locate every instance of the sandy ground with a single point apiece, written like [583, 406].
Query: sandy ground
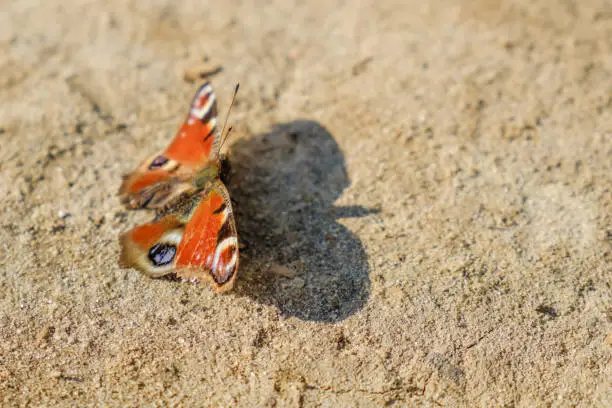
[423, 192]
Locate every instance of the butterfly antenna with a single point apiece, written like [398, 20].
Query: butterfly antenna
[229, 130]
[224, 136]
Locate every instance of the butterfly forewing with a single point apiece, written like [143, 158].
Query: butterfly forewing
[198, 138]
[151, 248]
[209, 247]
[162, 177]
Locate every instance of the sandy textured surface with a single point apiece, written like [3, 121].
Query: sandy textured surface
[423, 192]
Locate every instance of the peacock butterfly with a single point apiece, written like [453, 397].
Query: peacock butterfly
[194, 232]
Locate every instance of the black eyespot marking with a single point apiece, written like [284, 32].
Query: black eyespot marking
[162, 254]
[221, 208]
[158, 162]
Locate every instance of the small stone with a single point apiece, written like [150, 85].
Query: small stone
[55, 374]
[45, 334]
[297, 283]
[63, 214]
[200, 71]
[281, 270]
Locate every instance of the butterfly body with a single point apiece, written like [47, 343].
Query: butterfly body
[193, 233]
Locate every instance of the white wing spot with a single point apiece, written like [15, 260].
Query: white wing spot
[232, 263]
[201, 112]
[173, 237]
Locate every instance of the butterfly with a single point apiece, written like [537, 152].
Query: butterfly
[194, 232]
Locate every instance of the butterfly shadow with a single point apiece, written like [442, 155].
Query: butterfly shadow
[294, 253]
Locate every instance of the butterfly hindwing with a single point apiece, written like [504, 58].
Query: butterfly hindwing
[162, 177]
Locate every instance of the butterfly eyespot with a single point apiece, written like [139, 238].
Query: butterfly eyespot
[162, 254]
[159, 161]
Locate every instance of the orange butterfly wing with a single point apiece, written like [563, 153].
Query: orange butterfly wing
[195, 238]
[164, 176]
